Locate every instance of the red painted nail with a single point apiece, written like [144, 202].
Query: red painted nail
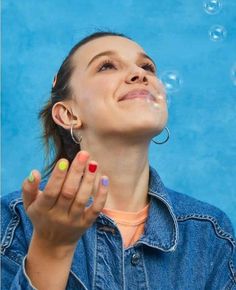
[92, 167]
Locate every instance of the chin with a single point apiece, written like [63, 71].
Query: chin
[144, 128]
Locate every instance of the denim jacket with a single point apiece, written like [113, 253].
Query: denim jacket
[187, 245]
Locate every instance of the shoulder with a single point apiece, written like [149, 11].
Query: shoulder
[188, 208]
[207, 232]
[11, 206]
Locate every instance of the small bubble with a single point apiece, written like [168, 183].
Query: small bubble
[171, 80]
[233, 74]
[212, 6]
[217, 33]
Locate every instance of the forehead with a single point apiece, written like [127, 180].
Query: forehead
[123, 46]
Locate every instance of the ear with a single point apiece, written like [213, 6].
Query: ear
[63, 116]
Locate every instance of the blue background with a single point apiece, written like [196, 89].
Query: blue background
[200, 157]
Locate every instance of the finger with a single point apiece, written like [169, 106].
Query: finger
[30, 188]
[71, 184]
[85, 190]
[53, 188]
[92, 212]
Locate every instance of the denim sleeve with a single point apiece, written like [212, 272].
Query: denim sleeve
[13, 276]
[16, 232]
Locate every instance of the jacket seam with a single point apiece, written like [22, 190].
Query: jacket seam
[123, 264]
[175, 237]
[218, 230]
[14, 222]
[233, 270]
[77, 278]
[229, 284]
[12, 260]
[145, 270]
[95, 260]
[220, 233]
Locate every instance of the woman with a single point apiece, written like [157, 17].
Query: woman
[104, 219]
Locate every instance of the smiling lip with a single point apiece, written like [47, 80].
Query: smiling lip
[143, 94]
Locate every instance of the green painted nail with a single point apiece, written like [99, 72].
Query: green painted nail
[63, 165]
[31, 177]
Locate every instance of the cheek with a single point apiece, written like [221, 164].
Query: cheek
[106, 85]
[93, 97]
[101, 86]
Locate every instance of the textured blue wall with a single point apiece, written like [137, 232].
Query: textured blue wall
[198, 68]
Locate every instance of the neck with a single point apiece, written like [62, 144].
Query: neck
[127, 167]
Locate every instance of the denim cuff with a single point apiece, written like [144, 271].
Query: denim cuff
[22, 279]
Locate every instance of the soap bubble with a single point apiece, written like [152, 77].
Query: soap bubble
[233, 74]
[171, 80]
[217, 33]
[212, 6]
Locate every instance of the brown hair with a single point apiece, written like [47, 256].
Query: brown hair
[56, 139]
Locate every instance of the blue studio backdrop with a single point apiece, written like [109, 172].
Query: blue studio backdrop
[194, 46]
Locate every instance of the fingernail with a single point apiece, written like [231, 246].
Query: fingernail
[82, 156]
[92, 167]
[31, 177]
[63, 165]
[105, 181]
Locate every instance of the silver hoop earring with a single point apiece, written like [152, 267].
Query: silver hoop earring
[72, 135]
[167, 138]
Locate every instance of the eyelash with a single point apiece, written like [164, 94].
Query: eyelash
[150, 67]
[108, 63]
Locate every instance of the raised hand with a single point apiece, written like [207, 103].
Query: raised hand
[58, 213]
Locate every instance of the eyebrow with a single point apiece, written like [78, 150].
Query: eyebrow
[111, 52]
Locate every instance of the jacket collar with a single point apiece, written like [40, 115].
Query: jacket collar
[161, 229]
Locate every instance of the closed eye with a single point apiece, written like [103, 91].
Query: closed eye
[106, 65]
[149, 67]
[109, 64]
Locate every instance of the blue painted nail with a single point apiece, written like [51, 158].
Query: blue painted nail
[105, 181]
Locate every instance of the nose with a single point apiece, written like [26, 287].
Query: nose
[137, 75]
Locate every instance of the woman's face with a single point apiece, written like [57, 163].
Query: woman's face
[107, 69]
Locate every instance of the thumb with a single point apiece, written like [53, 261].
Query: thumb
[30, 188]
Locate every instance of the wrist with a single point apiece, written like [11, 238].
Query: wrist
[51, 249]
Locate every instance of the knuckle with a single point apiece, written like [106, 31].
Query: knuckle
[26, 186]
[89, 179]
[79, 203]
[68, 192]
[102, 193]
[25, 190]
[49, 194]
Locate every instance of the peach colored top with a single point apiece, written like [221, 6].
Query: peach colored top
[130, 224]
